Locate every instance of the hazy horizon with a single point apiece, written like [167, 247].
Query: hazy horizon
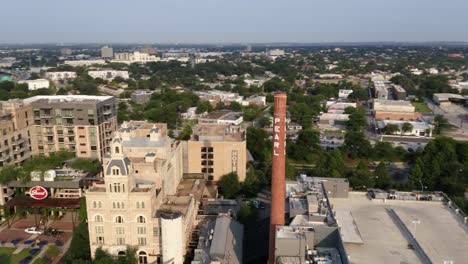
[233, 22]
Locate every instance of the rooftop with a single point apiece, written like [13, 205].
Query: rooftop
[392, 102]
[440, 232]
[67, 99]
[215, 132]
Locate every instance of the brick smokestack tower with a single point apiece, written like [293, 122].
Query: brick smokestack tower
[278, 178]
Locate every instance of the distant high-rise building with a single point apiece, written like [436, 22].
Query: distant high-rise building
[66, 51]
[248, 48]
[107, 52]
[148, 49]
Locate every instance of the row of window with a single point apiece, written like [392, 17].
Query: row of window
[121, 241]
[118, 205]
[119, 219]
[207, 149]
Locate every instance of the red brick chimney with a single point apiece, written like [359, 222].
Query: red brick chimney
[278, 178]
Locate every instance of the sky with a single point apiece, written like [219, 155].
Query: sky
[231, 21]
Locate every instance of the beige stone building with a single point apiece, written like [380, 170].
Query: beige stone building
[144, 202]
[216, 150]
[78, 123]
[16, 143]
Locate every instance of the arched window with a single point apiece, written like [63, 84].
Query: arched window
[94, 204]
[141, 219]
[98, 218]
[142, 258]
[99, 204]
[119, 219]
[117, 150]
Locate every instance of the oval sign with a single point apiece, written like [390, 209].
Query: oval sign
[38, 192]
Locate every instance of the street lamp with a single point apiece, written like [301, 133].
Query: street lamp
[415, 222]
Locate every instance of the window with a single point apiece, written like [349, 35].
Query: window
[142, 258]
[120, 241]
[142, 205]
[99, 229]
[203, 149]
[142, 241]
[99, 218]
[156, 231]
[115, 172]
[119, 219]
[141, 219]
[99, 204]
[117, 150]
[210, 149]
[100, 240]
[116, 186]
[210, 177]
[141, 230]
[138, 205]
[119, 230]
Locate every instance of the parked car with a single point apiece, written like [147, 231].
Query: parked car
[33, 230]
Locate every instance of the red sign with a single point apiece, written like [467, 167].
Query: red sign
[38, 192]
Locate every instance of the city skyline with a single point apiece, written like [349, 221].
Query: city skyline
[233, 22]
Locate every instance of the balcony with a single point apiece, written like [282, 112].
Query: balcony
[4, 158]
[18, 141]
[21, 149]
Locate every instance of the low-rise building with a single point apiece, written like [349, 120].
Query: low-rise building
[398, 92]
[110, 90]
[76, 63]
[225, 117]
[418, 129]
[60, 76]
[36, 84]
[344, 93]
[141, 96]
[257, 100]
[393, 106]
[135, 57]
[108, 75]
[216, 150]
[381, 115]
[220, 242]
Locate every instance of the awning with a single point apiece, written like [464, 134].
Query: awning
[46, 203]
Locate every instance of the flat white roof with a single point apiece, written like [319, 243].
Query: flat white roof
[65, 98]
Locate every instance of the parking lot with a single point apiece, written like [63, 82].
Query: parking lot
[15, 236]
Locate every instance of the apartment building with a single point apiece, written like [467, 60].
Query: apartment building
[108, 75]
[36, 84]
[16, 143]
[144, 202]
[216, 150]
[79, 123]
[60, 76]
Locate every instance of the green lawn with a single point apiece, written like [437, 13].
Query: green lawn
[421, 107]
[7, 256]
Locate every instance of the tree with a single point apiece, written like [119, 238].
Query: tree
[357, 118]
[361, 177]
[186, 133]
[235, 106]
[229, 185]
[203, 106]
[356, 145]
[83, 214]
[307, 143]
[253, 181]
[406, 127]
[382, 178]
[79, 246]
[441, 124]
[391, 129]
[264, 121]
